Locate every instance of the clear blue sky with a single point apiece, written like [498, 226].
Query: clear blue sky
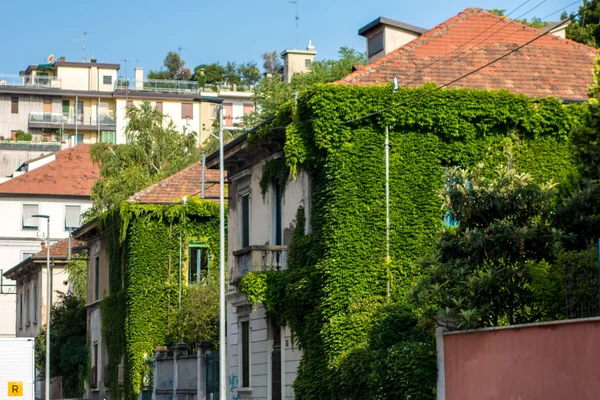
[210, 31]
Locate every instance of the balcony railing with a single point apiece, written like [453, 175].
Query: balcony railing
[259, 258]
[61, 119]
[159, 85]
[30, 81]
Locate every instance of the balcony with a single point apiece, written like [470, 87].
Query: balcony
[159, 85]
[56, 120]
[259, 258]
[30, 82]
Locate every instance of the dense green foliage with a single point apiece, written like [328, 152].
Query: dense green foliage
[534, 22]
[140, 312]
[198, 318]
[586, 24]
[337, 274]
[22, 136]
[275, 172]
[482, 271]
[77, 272]
[154, 150]
[69, 353]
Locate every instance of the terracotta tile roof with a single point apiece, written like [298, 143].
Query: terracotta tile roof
[71, 174]
[187, 182]
[550, 66]
[60, 249]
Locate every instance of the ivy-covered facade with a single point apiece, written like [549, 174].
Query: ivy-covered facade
[138, 255]
[335, 284]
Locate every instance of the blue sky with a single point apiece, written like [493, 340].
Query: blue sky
[210, 31]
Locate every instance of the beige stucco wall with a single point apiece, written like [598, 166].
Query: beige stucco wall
[295, 63]
[74, 78]
[393, 39]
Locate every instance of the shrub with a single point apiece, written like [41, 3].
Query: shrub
[23, 136]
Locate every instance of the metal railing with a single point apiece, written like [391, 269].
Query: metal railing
[259, 258]
[159, 85]
[69, 119]
[30, 81]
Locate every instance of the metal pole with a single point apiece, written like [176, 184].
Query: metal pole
[48, 308]
[179, 313]
[69, 244]
[222, 377]
[98, 120]
[203, 173]
[76, 125]
[387, 206]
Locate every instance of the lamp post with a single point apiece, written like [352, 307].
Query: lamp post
[49, 296]
[222, 377]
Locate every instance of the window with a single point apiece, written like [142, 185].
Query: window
[97, 278]
[28, 221]
[129, 104]
[65, 107]
[376, 43]
[277, 215]
[212, 111]
[199, 259]
[79, 112]
[107, 80]
[245, 220]
[307, 63]
[108, 137]
[27, 307]
[95, 355]
[245, 340]
[13, 135]
[35, 302]
[248, 109]
[72, 214]
[159, 106]
[187, 110]
[26, 254]
[21, 310]
[14, 105]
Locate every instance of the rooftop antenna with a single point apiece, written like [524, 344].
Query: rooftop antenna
[82, 41]
[125, 60]
[297, 20]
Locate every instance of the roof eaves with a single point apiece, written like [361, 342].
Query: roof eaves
[381, 21]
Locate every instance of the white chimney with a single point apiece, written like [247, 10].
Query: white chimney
[139, 78]
[386, 35]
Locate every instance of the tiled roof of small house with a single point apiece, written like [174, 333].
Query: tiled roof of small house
[549, 66]
[72, 173]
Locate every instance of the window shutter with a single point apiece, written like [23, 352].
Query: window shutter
[14, 105]
[72, 214]
[28, 221]
[187, 111]
[159, 106]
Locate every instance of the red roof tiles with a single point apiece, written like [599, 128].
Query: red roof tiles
[60, 249]
[549, 66]
[71, 174]
[187, 182]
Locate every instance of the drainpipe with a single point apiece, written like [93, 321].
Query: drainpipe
[76, 118]
[203, 174]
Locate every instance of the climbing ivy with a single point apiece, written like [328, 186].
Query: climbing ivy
[143, 248]
[337, 276]
[275, 172]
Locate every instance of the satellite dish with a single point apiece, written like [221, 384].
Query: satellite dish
[50, 58]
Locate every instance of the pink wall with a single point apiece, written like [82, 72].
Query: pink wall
[546, 361]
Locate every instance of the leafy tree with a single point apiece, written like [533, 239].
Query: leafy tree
[586, 24]
[172, 63]
[77, 271]
[586, 143]
[482, 271]
[534, 22]
[198, 318]
[231, 74]
[249, 73]
[154, 150]
[209, 74]
[271, 62]
[69, 353]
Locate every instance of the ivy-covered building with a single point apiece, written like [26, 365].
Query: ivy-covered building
[138, 255]
[307, 213]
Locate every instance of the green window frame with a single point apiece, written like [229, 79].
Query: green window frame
[198, 262]
[108, 137]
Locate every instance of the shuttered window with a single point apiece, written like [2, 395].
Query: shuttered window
[72, 214]
[245, 220]
[376, 43]
[14, 104]
[245, 354]
[159, 106]
[187, 111]
[28, 221]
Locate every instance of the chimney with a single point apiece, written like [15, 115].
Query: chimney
[386, 35]
[139, 78]
[297, 61]
[93, 61]
[560, 28]
[62, 58]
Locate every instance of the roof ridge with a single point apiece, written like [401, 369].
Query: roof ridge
[135, 197]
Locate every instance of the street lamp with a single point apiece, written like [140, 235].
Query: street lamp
[49, 295]
[222, 349]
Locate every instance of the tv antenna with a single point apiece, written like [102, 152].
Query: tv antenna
[82, 41]
[297, 20]
[126, 69]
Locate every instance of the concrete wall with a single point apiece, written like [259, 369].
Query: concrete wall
[177, 378]
[10, 160]
[20, 121]
[550, 361]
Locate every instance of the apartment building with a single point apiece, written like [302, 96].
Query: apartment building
[86, 102]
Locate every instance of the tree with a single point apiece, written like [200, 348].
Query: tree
[77, 272]
[231, 74]
[586, 24]
[173, 63]
[534, 22]
[154, 150]
[209, 74]
[69, 353]
[249, 72]
[271, 62]
[198, 318]
[482, 271]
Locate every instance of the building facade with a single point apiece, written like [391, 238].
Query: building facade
[59, 189]
[262, 361]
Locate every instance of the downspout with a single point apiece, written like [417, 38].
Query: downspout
[76, 118]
